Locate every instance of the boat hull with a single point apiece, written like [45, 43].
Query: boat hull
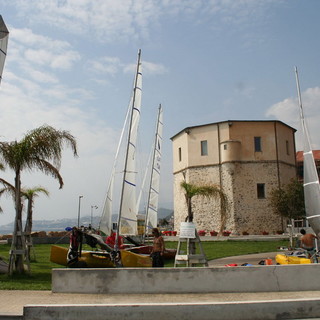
[98, 259]
[134, 260]
[284, 259]
[169, 254]
[93, 259]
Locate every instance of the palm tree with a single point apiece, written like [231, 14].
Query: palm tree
[39, 149]
[7, 189]
[210, 191]
[30, 194]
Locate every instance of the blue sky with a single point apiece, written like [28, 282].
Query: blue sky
[70, 64]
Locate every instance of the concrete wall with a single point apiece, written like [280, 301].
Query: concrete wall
[262, 310]
[187, 280]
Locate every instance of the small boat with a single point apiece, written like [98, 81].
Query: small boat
[100, 259]
[292, 259]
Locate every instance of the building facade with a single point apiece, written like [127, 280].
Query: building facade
[247, 159]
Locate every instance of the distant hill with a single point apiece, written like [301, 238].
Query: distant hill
[61, 224]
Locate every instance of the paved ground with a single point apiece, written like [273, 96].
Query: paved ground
[12, 302]
[253, 259]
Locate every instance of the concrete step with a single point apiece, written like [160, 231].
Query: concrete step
[235, 310]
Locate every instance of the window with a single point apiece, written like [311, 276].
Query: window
[261, 193]
[257, 144]
[225, 147]
[204, 148]
[179, 154]
[287, 147]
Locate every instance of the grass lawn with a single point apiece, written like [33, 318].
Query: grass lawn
[40, 278]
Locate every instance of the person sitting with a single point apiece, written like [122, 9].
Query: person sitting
[111, 240]
[307, 242]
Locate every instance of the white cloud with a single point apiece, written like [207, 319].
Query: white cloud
[288, 112]
[110, 20]
[27, 48]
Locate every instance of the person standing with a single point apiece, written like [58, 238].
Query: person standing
[157, 249]
[308, 243]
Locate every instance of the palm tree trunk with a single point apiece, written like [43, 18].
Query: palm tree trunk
[17, 251]
[28, 228]
[190, 214]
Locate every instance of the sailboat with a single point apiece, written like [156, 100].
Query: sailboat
[151, 217]
[310, 176]
[127, 216]
[311, 186]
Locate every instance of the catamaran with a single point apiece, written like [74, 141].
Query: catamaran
[128, 208]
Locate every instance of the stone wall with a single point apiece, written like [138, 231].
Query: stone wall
[246, 213]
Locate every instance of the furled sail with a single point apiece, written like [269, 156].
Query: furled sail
[310, 175]
[4, 36]
[127, 219]
[153, 197]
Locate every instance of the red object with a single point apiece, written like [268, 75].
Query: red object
[231, 265]
[111, 241]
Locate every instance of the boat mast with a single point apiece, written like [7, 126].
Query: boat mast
[129, 144]
[310, 176]
[153, 196]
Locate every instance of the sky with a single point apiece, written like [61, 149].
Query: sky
[70, 64]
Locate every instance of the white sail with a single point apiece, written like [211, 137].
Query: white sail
[310, 175]
[4, 36]
[153, 197]
[127, 220]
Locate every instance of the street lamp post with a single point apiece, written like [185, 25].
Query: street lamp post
[95, 207]
[79, 211]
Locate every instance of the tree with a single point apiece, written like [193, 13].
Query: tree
[39, 149]
[288, 202]
[163, 222]
[209, 191]
[30, 194]
[7, 187]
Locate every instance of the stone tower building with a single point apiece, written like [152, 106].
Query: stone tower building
[247, 159]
